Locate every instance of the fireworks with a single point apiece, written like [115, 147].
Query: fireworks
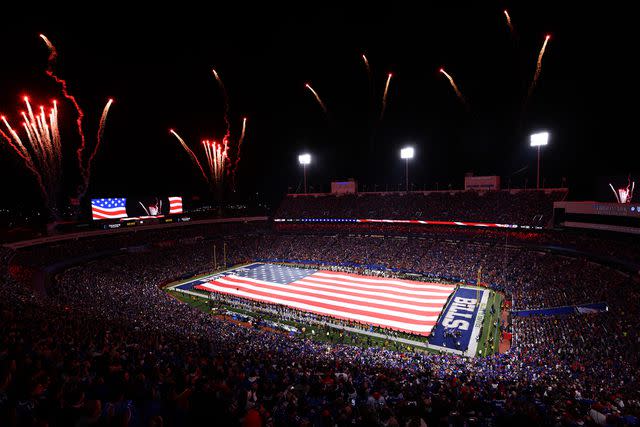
[244, 128]
[366, 64]
[84, 167]
[511, 29]
[217, 156]
[226, 101]
[53, 54]
[315, 94]
[42, 153]
[193, 156]
[384, 96]
[455, 88]
[624, 194]
[86, 172]
[536, 75]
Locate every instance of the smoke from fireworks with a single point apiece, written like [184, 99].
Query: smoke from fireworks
[536, 75]
[511, 29]
[455, 88]
[193, 156]
[315, 94]
[384, 96]
[84, 167]
[53, 54]
[42, 153]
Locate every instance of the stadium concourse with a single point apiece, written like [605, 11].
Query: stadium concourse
[104, 344]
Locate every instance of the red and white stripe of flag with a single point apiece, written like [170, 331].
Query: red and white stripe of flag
[404, 305]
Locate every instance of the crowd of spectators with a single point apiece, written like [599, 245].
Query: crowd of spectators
[107, 346]
[522, 207]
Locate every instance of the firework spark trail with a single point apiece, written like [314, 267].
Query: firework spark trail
[53, 118]
[224, 156]
[536, 75]
[217, 156]
[18, 146]
[226, 102]
[17, 140]
[208, 153]
[53, 54]
[315, 94]
[455, 88]
[190, 152]
[38, 141]
[384, 96]
[366, 64]
[86, 171]
[237, 162]
[511, 29]
[370, 77]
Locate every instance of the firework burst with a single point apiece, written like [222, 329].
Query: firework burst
[41, 152]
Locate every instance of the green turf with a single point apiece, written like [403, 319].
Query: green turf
[490, 334]
[201, 303]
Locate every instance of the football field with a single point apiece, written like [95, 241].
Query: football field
[397, 304]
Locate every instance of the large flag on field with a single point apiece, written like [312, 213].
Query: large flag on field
[404, 305]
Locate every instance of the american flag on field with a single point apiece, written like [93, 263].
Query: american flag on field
[175, 205]
[404, 305]
[108, 208]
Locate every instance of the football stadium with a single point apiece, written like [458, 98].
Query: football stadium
[278, 218]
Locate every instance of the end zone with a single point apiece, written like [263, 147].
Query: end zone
[458, 328]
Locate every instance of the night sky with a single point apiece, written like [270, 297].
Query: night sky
[157, 62]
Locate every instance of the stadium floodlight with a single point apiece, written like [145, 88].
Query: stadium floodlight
[538, 140]
[304, 160]
[406, 153]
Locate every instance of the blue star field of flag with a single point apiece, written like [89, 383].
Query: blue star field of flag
[109, 203]
[274, 273]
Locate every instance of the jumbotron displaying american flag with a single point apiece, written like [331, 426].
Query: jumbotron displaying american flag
[404, 305]
[108, 208]
[175, 205]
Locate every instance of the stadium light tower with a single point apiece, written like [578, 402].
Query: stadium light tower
[304, 160]
[406, 154]
[539, 140]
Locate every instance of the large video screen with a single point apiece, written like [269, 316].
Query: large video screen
[145, 207]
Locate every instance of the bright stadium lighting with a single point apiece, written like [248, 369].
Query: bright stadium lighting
[538, 140]
[304, 160]
[406, 153]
